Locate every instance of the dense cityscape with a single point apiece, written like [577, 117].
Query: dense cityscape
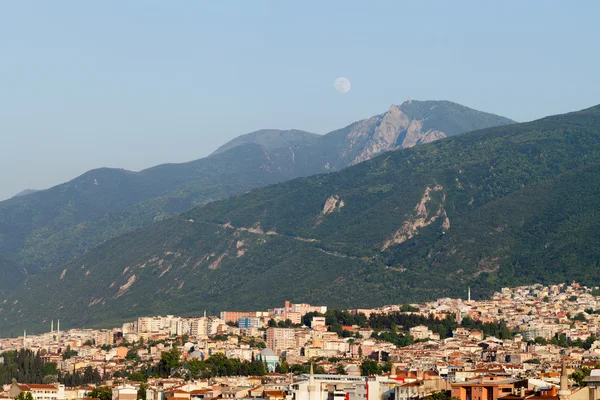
[517, 343]
[275, 200]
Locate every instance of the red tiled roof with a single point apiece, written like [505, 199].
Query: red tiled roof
[26, 387]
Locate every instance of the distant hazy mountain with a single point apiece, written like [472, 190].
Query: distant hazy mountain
[502, 206]
[49, 227]
[271, 139]
[25, 192]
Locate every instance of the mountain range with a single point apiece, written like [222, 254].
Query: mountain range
[44, 229]
[506, 205]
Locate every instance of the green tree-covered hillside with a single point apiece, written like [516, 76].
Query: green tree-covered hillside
[47, 228]
[501, 206]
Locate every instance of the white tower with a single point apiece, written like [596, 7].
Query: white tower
[52, 326]
[312, 388]
[563, 392]
[24, 337]
[469, 294]
[58, 327]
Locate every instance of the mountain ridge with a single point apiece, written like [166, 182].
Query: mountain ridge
[407, 225]
[48, 228]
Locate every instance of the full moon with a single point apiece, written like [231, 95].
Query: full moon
[342, 85]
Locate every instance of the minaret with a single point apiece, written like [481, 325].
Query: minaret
[563, 392]
[469, 294]
[58, 327]
[24, 337]
[312, 389]
[52, 326]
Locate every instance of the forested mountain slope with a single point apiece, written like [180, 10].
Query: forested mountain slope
[501, 206]
[50, 227]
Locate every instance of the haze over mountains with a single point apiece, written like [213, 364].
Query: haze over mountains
[499, 206]
[48, 228]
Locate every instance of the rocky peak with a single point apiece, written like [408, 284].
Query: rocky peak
[393, 124]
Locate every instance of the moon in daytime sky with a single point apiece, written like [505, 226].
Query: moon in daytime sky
[342, 84]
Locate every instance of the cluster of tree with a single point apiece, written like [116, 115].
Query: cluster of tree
[496, 329]
[371, 367]
[68, 353]
[219, 365]
[562, 341]
[256, 343]
[580, 374]
[101, 393]
[392, 321]
[285, 368]
[89, 375]
[25, 366]
[24, 396]
[398, 339]
[283, 324]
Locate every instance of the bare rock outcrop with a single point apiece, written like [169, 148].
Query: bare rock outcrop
[424, 216]
[333, 203]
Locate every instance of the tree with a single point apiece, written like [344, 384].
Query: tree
[387, 367]
[68, 353]
[138, 376]
[441, 395]
[579, 317]
[369, 367]
[132, 355]
[24, 396]
[282, 368]
[102, 393]
[195, 367]
[340, 370]
[25, 366]
[307, 318]
[141, 393]
[408, 308]
[580, 374]
[540, 340]
[169, 360]
[49, 379]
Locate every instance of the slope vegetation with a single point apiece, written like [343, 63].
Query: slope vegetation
[50, 227]
[500, 206]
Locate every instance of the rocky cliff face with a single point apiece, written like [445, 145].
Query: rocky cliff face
[394, 131]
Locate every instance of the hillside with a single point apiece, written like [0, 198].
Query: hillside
[50, 227]
[271, 139]
[53, 226]
[25, 192]
[501, 206]
[11, 273]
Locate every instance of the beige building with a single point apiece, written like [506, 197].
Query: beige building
[280, 339]
[38, 391]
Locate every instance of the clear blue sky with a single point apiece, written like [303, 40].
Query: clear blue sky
[133, 84]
